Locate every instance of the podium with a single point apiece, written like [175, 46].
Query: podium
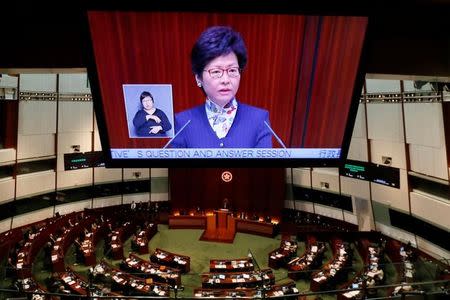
[222, 218]
[220, 227]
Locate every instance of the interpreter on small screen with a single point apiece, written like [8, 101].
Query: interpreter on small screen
[149, 120]
[218, 58]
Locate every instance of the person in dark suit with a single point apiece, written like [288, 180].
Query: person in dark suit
[226, 203]
[78, 251]
[48, 255]
[218, 58]
[134, 244]
[150, 121]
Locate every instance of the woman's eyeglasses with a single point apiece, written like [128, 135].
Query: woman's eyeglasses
[218, 72]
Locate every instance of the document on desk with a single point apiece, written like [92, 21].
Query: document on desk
[351, 294]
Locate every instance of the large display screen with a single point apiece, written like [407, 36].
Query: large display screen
[219, 88]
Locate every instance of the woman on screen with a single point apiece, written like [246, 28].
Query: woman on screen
[150, 121]
[218, 58]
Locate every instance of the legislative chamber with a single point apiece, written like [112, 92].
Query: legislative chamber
[200, 149]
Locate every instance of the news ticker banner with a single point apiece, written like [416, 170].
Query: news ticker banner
[220, 153]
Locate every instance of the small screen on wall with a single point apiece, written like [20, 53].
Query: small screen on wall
[75, 161]
[355, 169]
[384, 175]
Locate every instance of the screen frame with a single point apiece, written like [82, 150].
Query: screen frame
[266, 7]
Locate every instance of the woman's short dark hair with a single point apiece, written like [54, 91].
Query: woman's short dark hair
[146, 94]
[214, 42]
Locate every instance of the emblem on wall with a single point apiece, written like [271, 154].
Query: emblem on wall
[227, 176]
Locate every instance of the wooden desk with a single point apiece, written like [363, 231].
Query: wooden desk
[25, 257]
[88, 247]
[353, 294]
[301, 267]
[333, 271]
[237, 279]
[187, 222]
[64, 241]
[231, 265]
[255, 227]
[166, 258]
[74, 283]
[30, 285]
[90, 241]
[118, 237]
[224, 293]
[144, 236]
[146, 269]
[137, 286]
[286, 289]
[279, 257]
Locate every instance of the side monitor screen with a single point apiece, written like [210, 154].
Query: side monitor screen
[185, 88]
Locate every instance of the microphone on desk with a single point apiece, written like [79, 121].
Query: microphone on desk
[182, 128]
[275, 135]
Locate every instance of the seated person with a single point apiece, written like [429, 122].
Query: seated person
[79, 255]
[134, 244]
[150, 121]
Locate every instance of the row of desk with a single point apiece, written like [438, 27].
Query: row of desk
[279, 257]
[30, 285]
[236, 278]
[35, 242]
[173, 260]
[132, 285]
[27, 253]
[144, 236]
[333, 271]
[407, 267]
[231, 265]
[64, 241]
[230, 280]
[118, 236]
[146, 269]
[369, 277]
[288, 289]
[301, 267]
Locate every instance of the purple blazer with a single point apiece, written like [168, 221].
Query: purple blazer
[248, 129]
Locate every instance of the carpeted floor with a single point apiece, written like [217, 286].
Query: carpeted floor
[186, 242]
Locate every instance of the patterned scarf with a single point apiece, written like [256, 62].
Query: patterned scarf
[220, 118]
